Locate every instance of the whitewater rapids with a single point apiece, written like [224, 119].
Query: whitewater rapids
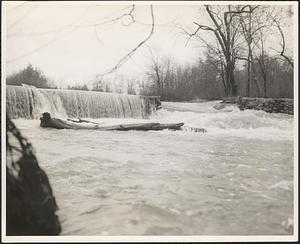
[236, 179]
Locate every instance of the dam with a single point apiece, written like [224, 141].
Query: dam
[29, 102]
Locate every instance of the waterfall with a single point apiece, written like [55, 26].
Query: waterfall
[30, 103]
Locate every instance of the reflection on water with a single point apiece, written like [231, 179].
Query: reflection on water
[237, 179]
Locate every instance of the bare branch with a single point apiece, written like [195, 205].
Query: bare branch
[40, 47]
[130, 14]
[217, 15]
[282, 54]
[243, 58]
[242, 10]
[205, 27]
[128, 55]
[71, 28]
[219, 34]
[191, 35]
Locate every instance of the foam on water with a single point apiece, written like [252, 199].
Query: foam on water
[229, 121]
[283, 184]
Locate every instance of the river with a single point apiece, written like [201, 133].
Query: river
[236, 179]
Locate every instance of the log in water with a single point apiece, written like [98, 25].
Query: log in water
[48, 122]
[30, 102]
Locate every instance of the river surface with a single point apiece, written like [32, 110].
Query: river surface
[236, 179]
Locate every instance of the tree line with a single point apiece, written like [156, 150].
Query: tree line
[203, 80]
[32, 76]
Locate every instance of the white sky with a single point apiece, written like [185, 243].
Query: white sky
[43, 34]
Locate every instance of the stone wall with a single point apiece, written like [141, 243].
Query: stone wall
[270, 105]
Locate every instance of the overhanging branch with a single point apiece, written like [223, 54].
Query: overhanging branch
[128, 55]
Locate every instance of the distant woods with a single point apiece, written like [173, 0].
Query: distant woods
[245, 54]
[203, 80]
[30, 76]
[78, 87]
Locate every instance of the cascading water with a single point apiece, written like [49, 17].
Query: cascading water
[29, 103]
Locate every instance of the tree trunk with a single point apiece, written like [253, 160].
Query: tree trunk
[230, 81]
[233, 85]
[265, 84]
[262, 67]
[257, 87]
[248, 79]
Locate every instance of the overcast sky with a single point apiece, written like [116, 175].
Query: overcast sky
[71, 43]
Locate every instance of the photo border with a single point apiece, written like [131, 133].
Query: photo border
[254, 238]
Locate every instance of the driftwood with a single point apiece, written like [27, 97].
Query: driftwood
[129, 127]
[79, 120]
[47, 121]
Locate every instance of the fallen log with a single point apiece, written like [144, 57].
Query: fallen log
[79, 120]
[47, 121]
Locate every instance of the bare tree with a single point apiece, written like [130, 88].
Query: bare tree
[256, 27]
[156, 73]
[249, 29]
[215, 57]
[265, 18]
[261, 58]
[225, 28]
